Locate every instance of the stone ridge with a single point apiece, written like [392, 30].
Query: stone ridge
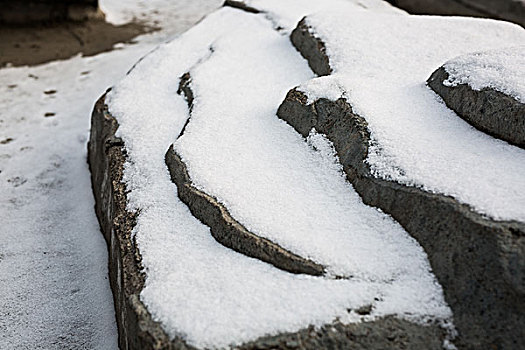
[312, 48]
[226, 230]
[488, 110]
[386, 333]
[106, 158]
[507, 10]
[479, 262]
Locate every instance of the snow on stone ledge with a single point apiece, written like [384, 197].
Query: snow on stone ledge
[286, 13]
[197, 288]
[382, 62]
[502, 70]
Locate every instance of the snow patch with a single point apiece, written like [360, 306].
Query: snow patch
[383, 61]
[326, 87]
[502, 70]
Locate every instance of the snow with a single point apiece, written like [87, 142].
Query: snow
[172, 16]
[383, 61]
[326, 87]
[54, 290]
[286, 14]
[53, 263]
[502, 70]
[269, 179]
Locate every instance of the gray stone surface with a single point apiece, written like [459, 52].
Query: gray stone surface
[508, 10]
[479, 262]
[315, 49]
[386, 334]
[490, 111]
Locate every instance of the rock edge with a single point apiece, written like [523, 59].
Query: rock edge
[488, 110]
[138, 330]
[479, 262]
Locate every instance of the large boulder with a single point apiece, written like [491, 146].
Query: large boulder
[137, 328]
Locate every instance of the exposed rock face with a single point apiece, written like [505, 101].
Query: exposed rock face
[240, 5]
[388, 333]
[479, 262]
[508, 10]
[314, 48]
[30, 11]
[488, 110]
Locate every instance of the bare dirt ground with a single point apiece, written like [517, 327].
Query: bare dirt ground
[37, 44]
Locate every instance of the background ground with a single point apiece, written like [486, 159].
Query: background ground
[54, 291]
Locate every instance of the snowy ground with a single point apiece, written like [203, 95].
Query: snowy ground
[54, 289]
[501, 70]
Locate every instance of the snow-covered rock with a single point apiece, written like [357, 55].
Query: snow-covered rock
[376, 93]
[375, 278]
[487, 89]
[285, 252]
